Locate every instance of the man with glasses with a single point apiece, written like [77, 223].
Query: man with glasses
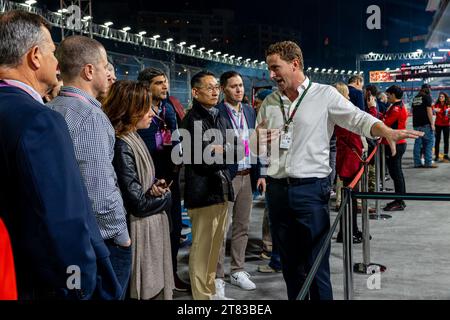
[208, 184]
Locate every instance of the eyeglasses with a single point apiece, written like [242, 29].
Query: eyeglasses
[210, 89]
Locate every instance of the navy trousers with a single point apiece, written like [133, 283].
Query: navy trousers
[300, 220]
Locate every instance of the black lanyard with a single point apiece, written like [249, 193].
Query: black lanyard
[287, 122]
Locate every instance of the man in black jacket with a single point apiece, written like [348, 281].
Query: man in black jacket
[208, 183]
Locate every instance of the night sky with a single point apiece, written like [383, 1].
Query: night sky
[333, 31]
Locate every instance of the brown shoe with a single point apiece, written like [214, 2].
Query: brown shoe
[433, 166]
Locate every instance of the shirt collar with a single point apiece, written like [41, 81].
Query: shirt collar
[28, 89]
[304, 85]
[233, 111]
[82, 93]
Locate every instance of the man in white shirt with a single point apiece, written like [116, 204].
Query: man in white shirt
[303, 115]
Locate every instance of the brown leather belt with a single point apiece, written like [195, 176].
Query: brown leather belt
[243, 172]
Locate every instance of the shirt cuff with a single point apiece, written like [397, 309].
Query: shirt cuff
[122, 239]
[368, 129]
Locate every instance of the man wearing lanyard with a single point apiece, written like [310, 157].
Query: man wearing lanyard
[242, 119]
[84, 70]
[43, 200]
[302, 116]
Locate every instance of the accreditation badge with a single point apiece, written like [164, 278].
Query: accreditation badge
[286, 138]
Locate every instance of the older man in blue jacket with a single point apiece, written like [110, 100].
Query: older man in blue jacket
[57, 247]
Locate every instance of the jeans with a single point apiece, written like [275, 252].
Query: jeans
[427, 141]
[300, 221]
[394, 163]
[445, 131]
[121, 262]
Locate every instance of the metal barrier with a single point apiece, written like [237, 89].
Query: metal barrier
[345, 213]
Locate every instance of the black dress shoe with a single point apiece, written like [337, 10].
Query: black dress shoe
[394, 207]
[180, 285]
[357, 237]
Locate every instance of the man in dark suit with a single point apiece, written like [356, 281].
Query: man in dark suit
[241, 118]
[57, 247]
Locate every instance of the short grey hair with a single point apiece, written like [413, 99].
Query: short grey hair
[19, 32]
[75, 52]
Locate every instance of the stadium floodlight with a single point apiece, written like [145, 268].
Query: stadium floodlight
[192, 46]
[232, 56]
[323, 70]
[201, 49]
[169, 40]
[349, 72]
[255, 61]
[30, 2]
[210, 51]
[355, 72]
[108, 24]
[336, 71]
[361, 72]
[309, 69]
[448, 40]
[218, 53]
[182, 43]
[126, 29]
[329, 70]
[419, 51]
[225, 55]
[239, 58]
[156, 36]
[87, 18]
[316, 69]
[142, 33]
[247, 60]
[387, 69]
[342, 71]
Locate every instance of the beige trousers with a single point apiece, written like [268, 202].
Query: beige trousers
[208, 228]
[238, 220]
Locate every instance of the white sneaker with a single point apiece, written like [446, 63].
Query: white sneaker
[216, 297]
[220, 288]
[242, 279]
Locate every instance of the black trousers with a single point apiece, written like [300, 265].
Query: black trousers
[394, 164]
[300, 221]
[445, 131]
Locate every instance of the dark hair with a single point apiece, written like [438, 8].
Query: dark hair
[425, 91]
[447, 98]
[372, 89]
[355, 78]
[227, 75]
[19, 32]
[197, 78]
[75, 52]
[287, 50]
[396, 91]
[125, 105]
[148, 74]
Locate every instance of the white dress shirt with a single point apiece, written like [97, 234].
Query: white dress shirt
[322, 108]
